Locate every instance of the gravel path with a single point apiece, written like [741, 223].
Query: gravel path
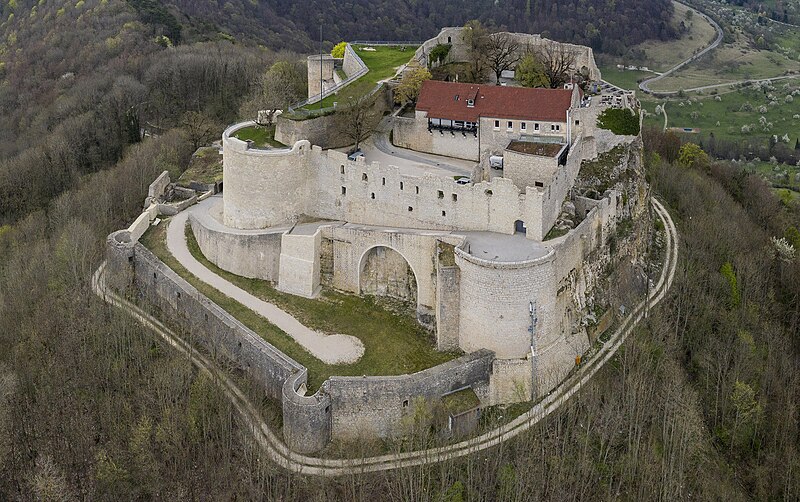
[330, 349]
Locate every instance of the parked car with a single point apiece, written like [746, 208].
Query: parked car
[354, 155]
[496, 162]
[464, 180]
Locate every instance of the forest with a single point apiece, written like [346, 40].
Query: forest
[701, 403]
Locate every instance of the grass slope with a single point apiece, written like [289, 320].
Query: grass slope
[394, 342]
[382, 64]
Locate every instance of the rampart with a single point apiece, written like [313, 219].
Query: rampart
[326, 185]
[384, 406]
[309, 422]
[584, 56]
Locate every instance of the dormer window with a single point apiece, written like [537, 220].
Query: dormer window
[470, 103]
[456, 98]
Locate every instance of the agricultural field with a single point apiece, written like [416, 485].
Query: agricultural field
[751, 113]
[726, 64]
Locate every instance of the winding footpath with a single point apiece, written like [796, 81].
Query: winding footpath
[645, 84]
[330, 349]
[279, 453]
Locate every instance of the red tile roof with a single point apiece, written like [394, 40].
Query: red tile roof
[492, 101]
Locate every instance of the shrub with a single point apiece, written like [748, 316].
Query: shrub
[619, 121]
[338, 50]
[439, 53]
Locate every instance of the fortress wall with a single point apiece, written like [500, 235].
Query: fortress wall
[350, 245]
[510, 381]
[315, 71]
[300, 263]
[325, 131]
[450, 35]
[554, 194]
[250, 255]
[382, 406]
[306, 419]
[413, 134]
[352, 63]
[447, 307]
[385, 196]
[495, 299]
[263, 188]
[584, 56]
[525, 169]
[201, 320]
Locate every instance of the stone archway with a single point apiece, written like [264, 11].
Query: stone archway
[383, 271]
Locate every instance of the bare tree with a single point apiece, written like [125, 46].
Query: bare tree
[502, 53]
[357, 119]
[559, 63]
[476, 36]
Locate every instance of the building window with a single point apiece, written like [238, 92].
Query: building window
[410, 209]
[510, 125]
[383, 181]
[344, 190]
[488, 192]
[417, 190]
[401, 185]
[440, 194]
[455, 197]
[555, 127]
[372, 195]
[536, 126]
[341, 169]
[497, 124]
[523, 126]
[577, 122]
[363, 176]
[538, 184]
[444, 213]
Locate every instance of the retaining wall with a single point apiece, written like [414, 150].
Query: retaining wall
[381, 406]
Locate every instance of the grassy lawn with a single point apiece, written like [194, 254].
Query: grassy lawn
[382, 64]
[204, 167]
[261, 136]
[626, 79]
[394, 342]
[730, 111]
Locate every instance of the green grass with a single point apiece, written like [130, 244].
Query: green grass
[460, 401]
[204, 167]
[382, 64]
[261, 136]
[705, 111]
[394, 342]
[625, 79]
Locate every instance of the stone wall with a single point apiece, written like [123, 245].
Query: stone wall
[527, 170]
[306, 419]
[325, 130]
[277, 189]
[584, 56]
[352, 63]
[448, 279]
[379, 406]
[317, 70]
[203, 321]
[299, 263]
[255, 255]
[157, 188]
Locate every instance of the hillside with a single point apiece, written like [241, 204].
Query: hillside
[287, 23]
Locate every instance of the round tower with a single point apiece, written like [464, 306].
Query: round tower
[320, 73]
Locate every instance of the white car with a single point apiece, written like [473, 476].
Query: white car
[355, 155]
[464, 180]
